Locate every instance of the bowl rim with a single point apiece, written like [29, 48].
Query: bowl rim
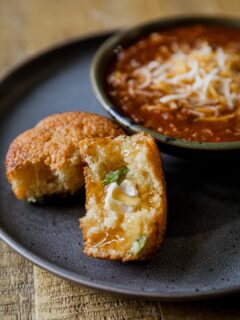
[136, 31]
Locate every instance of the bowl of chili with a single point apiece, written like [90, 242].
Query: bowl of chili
[177, 79]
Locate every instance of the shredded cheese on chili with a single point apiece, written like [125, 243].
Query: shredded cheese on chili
[203, 80]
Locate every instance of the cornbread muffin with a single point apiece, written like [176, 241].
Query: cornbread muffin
[46, 160]
[125, 197]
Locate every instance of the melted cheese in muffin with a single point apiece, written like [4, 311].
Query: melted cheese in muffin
[126, 201]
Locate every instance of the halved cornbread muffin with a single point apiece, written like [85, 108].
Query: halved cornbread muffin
[46, 160]
[125, 197]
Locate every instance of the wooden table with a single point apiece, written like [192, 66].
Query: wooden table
[27, 292]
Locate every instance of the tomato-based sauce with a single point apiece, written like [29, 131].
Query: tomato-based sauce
[183, 82]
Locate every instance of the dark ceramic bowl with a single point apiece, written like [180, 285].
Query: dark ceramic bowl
[106, 55]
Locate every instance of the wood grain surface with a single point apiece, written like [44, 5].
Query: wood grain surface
[27, 292]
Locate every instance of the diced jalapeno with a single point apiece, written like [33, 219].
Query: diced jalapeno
[115, 176]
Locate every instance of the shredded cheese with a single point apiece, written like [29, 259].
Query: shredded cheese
[174, 97]
[202, 77]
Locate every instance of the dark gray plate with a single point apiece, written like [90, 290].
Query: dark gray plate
[200, 256]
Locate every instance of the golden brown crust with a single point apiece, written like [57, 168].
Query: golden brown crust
[154, 157]
[158, 223]
[54, 141]
[90, 125]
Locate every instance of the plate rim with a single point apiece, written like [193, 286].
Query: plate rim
[61, 271]
[99, 285]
